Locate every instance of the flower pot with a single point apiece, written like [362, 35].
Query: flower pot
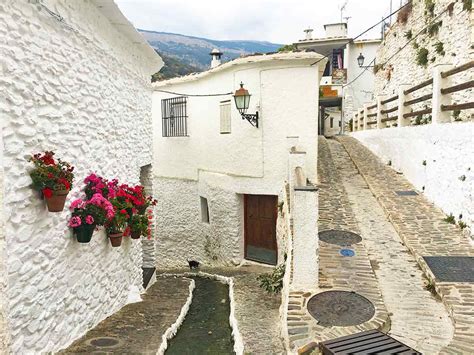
[116, 239]
[56, 202]
[84, 233]
[135, 235]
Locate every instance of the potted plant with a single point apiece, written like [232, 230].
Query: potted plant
[138, 226]
[116, 226]
[52, 178]
[89, 214]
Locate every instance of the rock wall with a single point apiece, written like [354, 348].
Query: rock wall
[436, 159]
[455, 35]
[75, 88]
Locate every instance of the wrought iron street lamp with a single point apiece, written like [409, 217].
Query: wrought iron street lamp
[360, 61]
[242, 101]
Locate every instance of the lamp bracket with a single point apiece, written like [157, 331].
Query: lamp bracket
[253, 119]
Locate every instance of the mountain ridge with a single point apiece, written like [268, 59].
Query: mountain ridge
[185, 54]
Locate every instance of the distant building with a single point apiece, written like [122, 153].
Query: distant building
[337, 101]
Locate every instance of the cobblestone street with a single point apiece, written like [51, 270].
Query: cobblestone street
[418, 319]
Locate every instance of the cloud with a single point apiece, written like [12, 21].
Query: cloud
[279, 21]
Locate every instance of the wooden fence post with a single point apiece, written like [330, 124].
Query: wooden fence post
[439, 99]
[366, 112]
[380, 107]
[402, 109]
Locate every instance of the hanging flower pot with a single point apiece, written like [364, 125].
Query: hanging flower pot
[84, 233]
[56, 200]
[116, 239]
[52, 178]
[135, 234]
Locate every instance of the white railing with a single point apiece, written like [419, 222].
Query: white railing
[399, 110]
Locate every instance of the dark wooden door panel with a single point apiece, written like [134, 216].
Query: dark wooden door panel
[260, 228]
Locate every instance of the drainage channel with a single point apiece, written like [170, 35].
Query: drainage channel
[206, 328]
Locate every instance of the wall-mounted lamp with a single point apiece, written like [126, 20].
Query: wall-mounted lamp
[360, 61]
[242, 100]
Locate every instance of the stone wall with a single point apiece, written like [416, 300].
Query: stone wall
[455, 35]
[148, 245]
[76, 88]
[437, 159]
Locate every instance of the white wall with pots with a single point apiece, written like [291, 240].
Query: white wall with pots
[224, 167]
[80, 88]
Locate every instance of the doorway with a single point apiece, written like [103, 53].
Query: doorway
[260, 213]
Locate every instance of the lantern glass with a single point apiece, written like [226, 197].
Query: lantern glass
[360, 60]
[242, 99]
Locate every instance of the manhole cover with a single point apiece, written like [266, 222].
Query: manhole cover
[451, 268]
[339, 237]
[406, 193]
[347, 252]
[340, 308]
[104, 342]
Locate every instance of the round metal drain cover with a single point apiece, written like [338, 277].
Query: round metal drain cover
[339, 237]
[340, 308]
[104, 342]
[347, 252]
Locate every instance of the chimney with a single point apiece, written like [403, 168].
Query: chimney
[336, 29]
[309, 34]
[216, 58]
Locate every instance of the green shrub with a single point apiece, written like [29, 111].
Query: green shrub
[273, 283]
[433, 28]
[422, 57]
[450, 219]
[408, 34]
[429, 8]
[462, 225]
[439, 48]
[467, 5]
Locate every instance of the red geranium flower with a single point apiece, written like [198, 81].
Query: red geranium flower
[47, 192]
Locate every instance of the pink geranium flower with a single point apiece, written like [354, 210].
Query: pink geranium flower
[89, 219]
[75, 222]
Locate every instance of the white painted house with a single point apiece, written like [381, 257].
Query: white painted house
[75, 78]
[339, 96]
[216, 176]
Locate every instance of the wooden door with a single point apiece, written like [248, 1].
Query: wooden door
[260, 228]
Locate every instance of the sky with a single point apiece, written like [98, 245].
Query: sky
[278, 21]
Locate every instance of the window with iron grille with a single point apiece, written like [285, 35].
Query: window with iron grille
[174, 117]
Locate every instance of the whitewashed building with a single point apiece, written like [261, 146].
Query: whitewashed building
[339, 96]
[216, 176]
[75, 78]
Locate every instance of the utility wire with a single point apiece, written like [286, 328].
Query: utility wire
[194, 95]
[361, 34]
[401, 48]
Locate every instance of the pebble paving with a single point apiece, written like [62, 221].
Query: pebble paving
[418, 319]
[138, 327]
[336, 272]
[421, 228]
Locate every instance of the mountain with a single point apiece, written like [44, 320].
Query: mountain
[186, 54]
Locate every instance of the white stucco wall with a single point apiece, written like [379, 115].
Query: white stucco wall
[335, 114]
[448, 149]
[4, 335]
[85, 94]
[223, 167]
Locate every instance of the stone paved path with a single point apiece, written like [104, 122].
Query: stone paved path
[418, 319]
[336, 272]
[139, 326]
[422, 229]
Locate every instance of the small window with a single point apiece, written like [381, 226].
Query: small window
[174, 117]
[332, 122]
[339, 123]
[204, 210]
[225, 117]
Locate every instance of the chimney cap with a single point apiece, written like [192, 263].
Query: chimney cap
[215, 51]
